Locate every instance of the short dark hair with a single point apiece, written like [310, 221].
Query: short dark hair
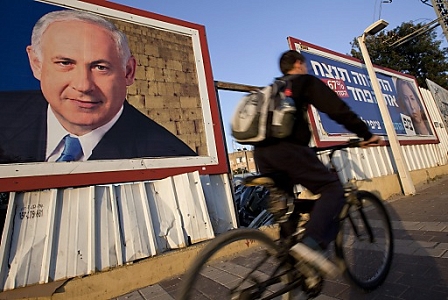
[288, 59]
[45, 21]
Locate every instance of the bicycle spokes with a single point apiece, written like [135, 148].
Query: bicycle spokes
[365, 241]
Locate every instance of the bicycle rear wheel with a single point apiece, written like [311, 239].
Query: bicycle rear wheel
[365, 242]
[216, 274]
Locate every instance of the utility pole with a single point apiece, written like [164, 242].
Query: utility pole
[403, 172]
[441, 9]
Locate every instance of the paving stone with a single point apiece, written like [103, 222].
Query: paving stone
[422, 244]
[394, 290]
[402, 242]
[334, 288]
[155, 292]
[433, 226]
[430, 252]
[406, 250]
[325, 297]
[135, 295]
[170, 285]
[442, 246]
[423, 294]
[406, 225]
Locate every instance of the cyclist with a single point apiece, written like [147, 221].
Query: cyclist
[293, 158]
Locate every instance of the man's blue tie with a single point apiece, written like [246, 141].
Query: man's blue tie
[72, 149]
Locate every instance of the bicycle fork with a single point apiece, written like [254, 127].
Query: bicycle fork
[350, 190]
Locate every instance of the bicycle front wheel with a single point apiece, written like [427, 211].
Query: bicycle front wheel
[216, 274]
[365, 242]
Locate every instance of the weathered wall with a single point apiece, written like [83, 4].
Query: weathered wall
[166, 87]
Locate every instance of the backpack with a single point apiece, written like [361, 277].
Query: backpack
[265, 113]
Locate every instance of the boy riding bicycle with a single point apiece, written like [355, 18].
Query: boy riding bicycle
[292, 157]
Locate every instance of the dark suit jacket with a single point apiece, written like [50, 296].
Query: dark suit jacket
[23, 127]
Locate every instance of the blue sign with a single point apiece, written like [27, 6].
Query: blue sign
[19, 18]
[349, 79]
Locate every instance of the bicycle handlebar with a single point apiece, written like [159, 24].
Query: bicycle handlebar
[352, 143]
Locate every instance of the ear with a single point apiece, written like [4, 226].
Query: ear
[35, 63]
[130, 70]
[303, 68]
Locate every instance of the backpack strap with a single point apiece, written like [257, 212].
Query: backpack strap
[287, 79]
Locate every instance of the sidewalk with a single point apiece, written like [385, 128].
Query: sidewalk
[420, 265]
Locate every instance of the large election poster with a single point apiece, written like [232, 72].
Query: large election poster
[348, 77]
[95, 92]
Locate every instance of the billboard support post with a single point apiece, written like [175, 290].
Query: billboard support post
[403, 172]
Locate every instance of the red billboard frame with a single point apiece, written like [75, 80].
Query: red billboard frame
[322, 140]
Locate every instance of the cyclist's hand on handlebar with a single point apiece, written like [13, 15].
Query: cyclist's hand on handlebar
[375, 140]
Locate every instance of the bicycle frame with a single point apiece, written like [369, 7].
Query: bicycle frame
[349, 187]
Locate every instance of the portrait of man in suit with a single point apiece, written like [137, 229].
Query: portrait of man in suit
[84, 66]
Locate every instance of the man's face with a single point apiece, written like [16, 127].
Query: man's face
[81, 74]
[299, 68]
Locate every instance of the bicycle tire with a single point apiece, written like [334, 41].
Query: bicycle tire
[206, 271]
[366, 261]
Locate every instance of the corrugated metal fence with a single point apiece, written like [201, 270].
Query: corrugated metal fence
[56, 234]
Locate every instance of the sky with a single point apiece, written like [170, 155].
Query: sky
[246, 37]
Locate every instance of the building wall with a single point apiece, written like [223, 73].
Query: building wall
[242, 160]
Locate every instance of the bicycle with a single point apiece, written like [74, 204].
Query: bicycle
[363, 248]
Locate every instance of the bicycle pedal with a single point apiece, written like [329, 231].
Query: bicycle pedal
[312, 282]
[314, 287]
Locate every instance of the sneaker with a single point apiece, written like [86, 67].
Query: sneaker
[302, 252]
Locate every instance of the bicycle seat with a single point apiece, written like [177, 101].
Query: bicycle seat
[262, 179]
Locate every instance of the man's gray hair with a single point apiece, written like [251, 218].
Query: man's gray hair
[75, 15]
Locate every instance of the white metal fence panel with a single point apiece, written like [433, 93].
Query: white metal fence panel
[193, 208]
[73, 233]
[362, 164]
[218, 191]
[29, 221]
[166, 215]
[136, 234]
[105, 220]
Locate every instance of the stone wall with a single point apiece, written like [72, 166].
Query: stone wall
[166, 85]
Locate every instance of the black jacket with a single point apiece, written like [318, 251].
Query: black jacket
[23, 127]
[310, 90]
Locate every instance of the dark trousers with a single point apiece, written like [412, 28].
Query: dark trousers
[301, 166]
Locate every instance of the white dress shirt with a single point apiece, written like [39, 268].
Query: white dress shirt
[56, 133]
